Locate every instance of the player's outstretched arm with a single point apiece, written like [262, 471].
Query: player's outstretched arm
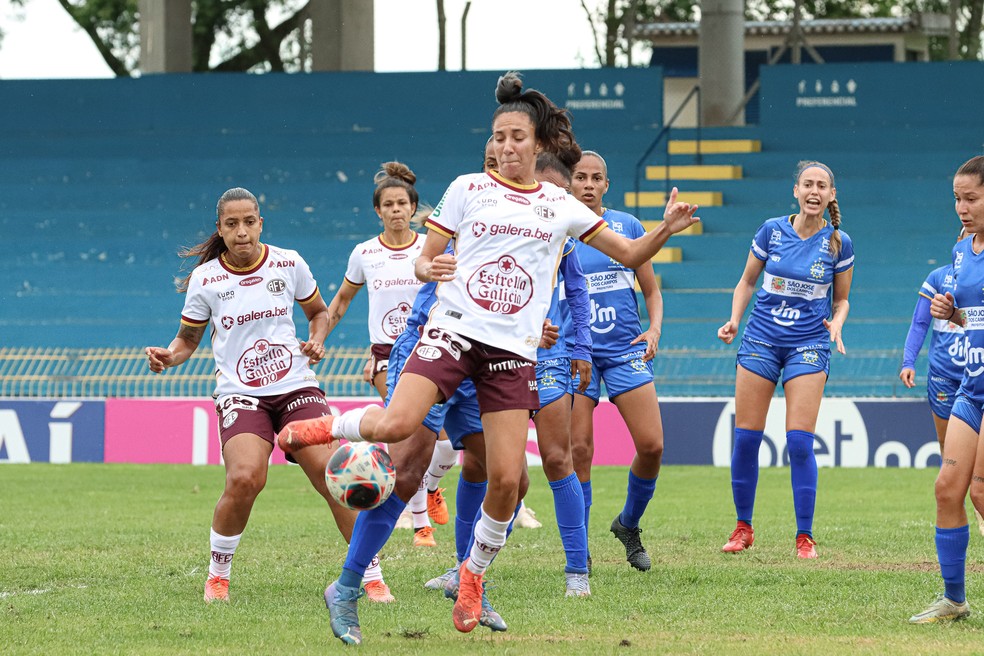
[633, 253]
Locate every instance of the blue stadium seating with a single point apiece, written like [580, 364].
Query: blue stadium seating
[102, 181]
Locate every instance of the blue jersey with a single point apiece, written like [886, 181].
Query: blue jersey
[797, 284]
[968, 270]
[574, 340]
[611, 286]
[946, 344]
[422, 306]
[424, 301]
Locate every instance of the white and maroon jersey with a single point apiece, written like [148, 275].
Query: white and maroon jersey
[254, 341]
[509, 241]
[387, 272]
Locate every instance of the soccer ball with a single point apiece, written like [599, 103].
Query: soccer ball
[360, 475]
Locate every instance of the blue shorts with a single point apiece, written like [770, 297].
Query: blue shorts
[553, 380]
[459, 416]
[621, 374]
[768, 361]
[942, 392]
[968, 411]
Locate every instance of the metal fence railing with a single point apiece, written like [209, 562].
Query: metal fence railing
[122, 372]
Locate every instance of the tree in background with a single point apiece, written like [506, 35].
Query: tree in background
[612, 21]
[227, 35]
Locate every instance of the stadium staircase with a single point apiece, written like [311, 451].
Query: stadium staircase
[894, 207]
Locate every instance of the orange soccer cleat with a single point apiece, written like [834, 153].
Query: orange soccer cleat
[437, 509]
[741, 538]
[467, 611]
[379, 592]
[424, 537]
[805, 546]
[305, 432]
[216, 589]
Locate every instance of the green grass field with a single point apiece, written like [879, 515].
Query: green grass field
[111, 559]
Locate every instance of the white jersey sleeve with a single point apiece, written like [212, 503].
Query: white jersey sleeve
[355, 272]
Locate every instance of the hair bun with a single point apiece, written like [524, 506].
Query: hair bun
[508, 88]
[397, 170]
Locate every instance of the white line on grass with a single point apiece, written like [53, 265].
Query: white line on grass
[4, 595]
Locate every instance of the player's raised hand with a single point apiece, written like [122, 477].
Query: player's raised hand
[678, 215]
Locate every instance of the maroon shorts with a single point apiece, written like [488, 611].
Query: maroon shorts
[266, 415]
[503, 380]
[379, 358]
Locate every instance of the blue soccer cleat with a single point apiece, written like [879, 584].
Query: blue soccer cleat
[342, 603]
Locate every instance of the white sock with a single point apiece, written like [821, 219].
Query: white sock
[223, 548]
[347, 425]
[418, 506]
[490, 536]
[444, 458]
[374, 572]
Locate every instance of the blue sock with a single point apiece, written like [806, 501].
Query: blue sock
[586, 493]
[569, 508]
[745, 472]
[951, 550]
[372, 530]
[640, 491]
[803, 465]
[467, 503]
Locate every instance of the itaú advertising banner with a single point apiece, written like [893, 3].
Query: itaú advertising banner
[849, 433]
[56, 431]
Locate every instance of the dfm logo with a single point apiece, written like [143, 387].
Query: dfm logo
[974, 360]
[958, 352]
[59, 434]
[602, 315]
[785, 316]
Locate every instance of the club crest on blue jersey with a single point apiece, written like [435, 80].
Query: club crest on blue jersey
[816, 270]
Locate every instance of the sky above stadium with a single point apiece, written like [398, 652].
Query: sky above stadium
[42, 41]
